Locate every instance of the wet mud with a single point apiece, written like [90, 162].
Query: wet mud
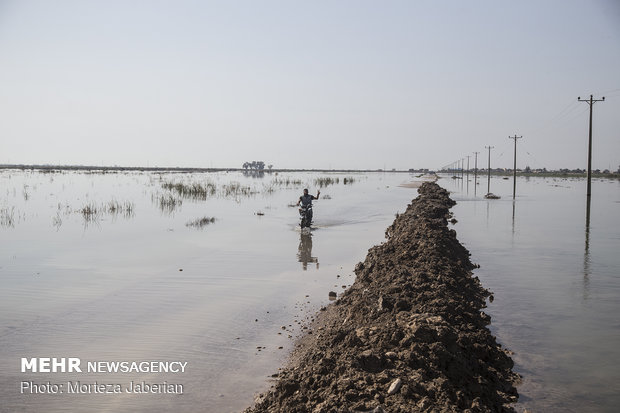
[408, 336]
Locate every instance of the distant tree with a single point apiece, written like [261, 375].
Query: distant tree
[257, 165]
[270, 166]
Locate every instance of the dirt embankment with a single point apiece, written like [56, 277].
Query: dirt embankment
[408, 336]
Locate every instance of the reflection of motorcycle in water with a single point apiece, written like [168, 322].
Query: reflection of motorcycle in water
[305, 213]
[304, 254]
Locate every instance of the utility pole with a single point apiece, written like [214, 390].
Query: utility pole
[514, 169]
[591, 103]
[476, 173]
[489, 170]
[468, 156]
[476, 166]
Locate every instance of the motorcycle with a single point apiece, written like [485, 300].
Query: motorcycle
[305, 213]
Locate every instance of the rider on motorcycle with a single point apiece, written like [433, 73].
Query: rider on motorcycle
[306, 200]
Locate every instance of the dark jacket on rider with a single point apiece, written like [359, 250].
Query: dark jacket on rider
[306, 199]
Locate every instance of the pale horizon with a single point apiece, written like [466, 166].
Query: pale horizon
[321, 85]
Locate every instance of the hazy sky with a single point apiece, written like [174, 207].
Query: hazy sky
[308, 84]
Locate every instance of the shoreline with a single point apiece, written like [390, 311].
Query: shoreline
[408, 335]
[261, 172]
[92, 168]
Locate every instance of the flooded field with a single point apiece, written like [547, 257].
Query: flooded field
[202, 268]
[556, 284]
[211, 269]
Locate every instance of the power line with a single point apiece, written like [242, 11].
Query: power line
[530, 154]
[610, 92]
[562, 114]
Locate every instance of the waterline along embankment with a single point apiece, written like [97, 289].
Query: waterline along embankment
[408, 336]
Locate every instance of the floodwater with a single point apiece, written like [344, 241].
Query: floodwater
[556, 281]
[104, 267]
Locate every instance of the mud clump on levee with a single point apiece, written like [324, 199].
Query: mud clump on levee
[408, 336]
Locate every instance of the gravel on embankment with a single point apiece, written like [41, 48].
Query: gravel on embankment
[408, 336]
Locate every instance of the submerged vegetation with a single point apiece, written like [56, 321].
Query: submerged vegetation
[200, 223]
[126, 209]
[277, 182]
[194, 190]
[168, 203]
[201, 192]
[92, 211]
[62, 210]
[7, 217]
[287, 182]
[235, 189]
[168, 191]
[326, 181]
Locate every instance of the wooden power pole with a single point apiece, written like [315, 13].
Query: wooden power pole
[590, 102]
[489, 170]
[514, 169]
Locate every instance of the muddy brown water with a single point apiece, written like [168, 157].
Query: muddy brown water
[556, 284]
[144, 286]
[111, 289]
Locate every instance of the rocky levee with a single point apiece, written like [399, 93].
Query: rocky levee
[79, 387]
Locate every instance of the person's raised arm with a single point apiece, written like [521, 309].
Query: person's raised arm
[318, 193]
